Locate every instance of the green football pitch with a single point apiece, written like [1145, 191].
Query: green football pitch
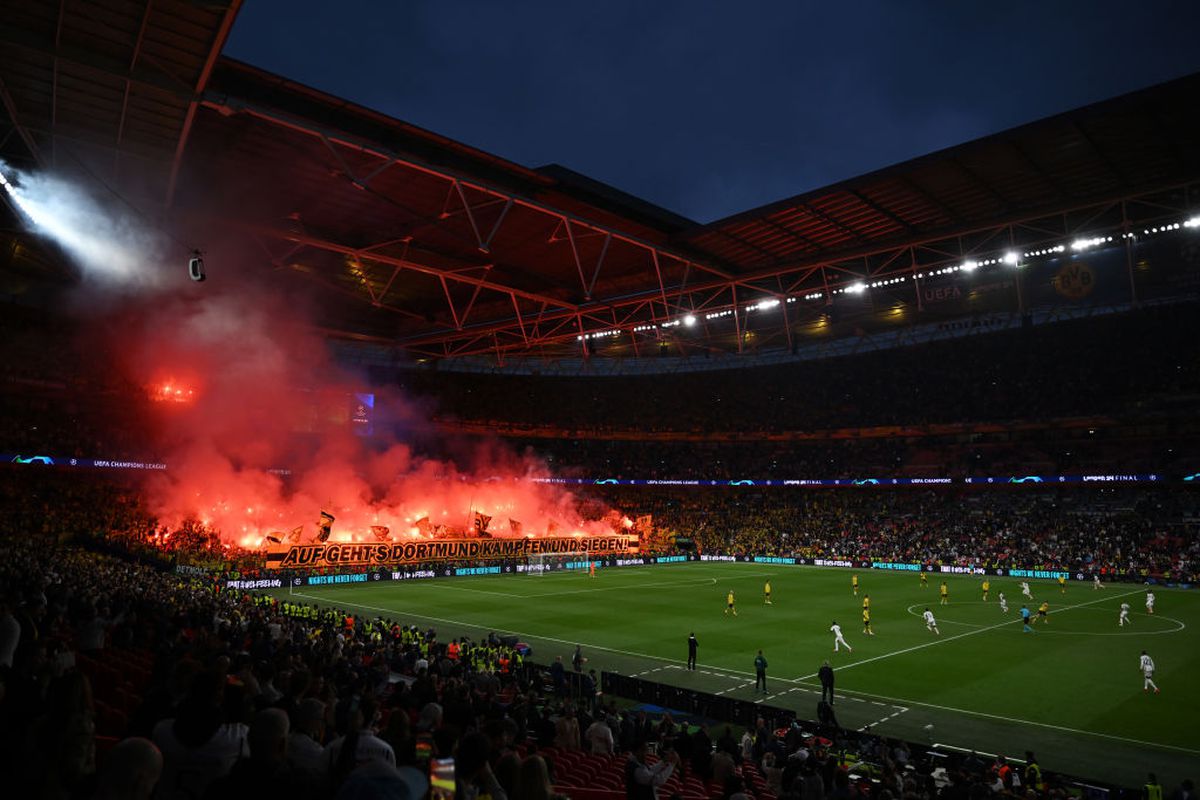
[1071, 691]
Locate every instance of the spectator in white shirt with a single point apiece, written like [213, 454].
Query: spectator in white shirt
[642, 780]
[359, 745]
[201, 742]
[305, 752]
[600, 737]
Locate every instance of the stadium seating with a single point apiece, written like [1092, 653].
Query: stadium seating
[82, 549]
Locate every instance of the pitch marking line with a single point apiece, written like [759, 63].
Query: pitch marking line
[733, 688]
[674, 663]
[798, 680]
[462, 623]
[793, 689]
[1140, 632]
[945, 639]
[483, 591]
[660, 584]
[1179, 626]
[1034, 723]
[627, 587]
[639, 586]
[899, 710]
[653, 670]
[671, 584]
[950, 621]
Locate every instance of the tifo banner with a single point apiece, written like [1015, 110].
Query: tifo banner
[332, 554]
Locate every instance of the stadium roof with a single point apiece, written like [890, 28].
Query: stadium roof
[110, 81]
[1131, 144]
[413, 239]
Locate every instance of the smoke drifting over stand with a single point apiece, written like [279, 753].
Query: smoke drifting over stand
[267, 398]
[254, 420]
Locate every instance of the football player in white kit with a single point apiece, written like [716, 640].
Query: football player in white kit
[930, 622]
[1124, 619]
[1003, 604]
[1146, 665]
[1025, 589]
[838, 639]
[1149, 602]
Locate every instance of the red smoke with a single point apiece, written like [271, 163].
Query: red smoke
[265, 398]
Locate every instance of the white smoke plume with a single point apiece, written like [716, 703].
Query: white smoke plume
[110, 247]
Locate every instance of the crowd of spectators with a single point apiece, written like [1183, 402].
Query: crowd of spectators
[222, 694]
[1116, 531]
[1141, 362]
[1131, 532]
[768, 422]
[61, 506]
[55, 400]
[119, 679]
[882, 457]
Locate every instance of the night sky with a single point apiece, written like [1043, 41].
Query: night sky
[712, 108]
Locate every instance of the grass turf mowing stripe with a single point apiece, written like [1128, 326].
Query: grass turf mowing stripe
[524, 633]
[1048, 725]
[941, 640]
[1031, 691]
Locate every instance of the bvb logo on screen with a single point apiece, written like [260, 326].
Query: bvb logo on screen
[1075, 281]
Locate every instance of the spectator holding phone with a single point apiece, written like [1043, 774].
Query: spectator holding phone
[642, 780]
[473, 773]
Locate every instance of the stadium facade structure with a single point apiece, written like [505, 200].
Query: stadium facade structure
[421, 245]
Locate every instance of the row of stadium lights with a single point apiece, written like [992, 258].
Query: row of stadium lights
[1010, 258]
[639, 329]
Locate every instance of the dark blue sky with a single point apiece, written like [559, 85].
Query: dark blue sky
[712, 108]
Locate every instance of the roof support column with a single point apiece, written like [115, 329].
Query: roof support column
[737, 319]
[11, 109]
[912, 262]
[1133, 294]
